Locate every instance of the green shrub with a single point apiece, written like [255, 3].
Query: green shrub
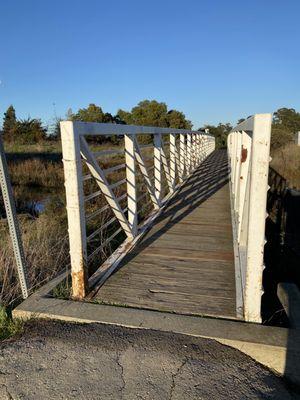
[8, 326]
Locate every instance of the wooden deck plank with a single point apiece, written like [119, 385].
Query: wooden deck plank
[185, 263]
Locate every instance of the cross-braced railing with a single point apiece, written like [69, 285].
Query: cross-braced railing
[249, 155]
[151, 175]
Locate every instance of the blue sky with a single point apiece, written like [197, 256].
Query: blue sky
[213, 60]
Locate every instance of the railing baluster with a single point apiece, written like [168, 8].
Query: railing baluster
[188, 154]
[131, 183]
[173, 159]
[157, 166]
[182, 156]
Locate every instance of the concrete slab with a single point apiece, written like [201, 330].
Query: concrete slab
[276, 348]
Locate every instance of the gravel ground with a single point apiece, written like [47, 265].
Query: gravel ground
[54, 360]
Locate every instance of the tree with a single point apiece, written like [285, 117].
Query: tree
[220, 132]
[92, 113]
[153, 113]
[29, 131]
[176, 119]
[9, 123]
[280, 136]
[286, 122]
[125, 117]
[288, 118]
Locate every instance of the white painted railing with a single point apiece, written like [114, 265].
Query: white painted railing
[248, 152]
[174, 154]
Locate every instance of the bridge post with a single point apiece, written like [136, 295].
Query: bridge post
[173, 159]
[182, 156]
[131, 182]
[194, 150]
[157, 165]
[260, 155]
[75, 208]
[198, 148]
[188, 154]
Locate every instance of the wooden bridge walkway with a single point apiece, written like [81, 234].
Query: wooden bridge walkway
[185, 263]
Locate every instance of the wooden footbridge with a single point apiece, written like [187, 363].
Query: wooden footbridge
[173, 225]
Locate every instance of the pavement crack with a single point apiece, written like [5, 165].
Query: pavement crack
[9, 396]
[122, 373]
[174, 376]
[118, 362]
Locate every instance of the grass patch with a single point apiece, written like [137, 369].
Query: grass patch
[36, 172]
[63, 290]
[45, 146]
[286, 161]
[9, 327]
[45, 242]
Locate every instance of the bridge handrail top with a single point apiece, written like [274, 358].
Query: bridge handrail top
[97, 128]
[249, 123]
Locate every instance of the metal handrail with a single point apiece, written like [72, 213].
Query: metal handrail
[183, 156]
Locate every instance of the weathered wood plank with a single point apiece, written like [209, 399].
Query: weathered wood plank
[179, 303]
[185, 263]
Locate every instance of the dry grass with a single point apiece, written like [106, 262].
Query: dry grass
[46, 251]
[36, 172]
[286, 161]
[45, 146]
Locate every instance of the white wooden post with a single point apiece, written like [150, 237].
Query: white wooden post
[198, 148]
[194, 151]
[237, 170]
[243, 176]
[145, 174]
[157, 166]
[257, 214]
[166, 169]
[75, 208]
[233, 163]
[188, 153]
[201, 148]
[173, 159]
[131, 183]
[182, 157]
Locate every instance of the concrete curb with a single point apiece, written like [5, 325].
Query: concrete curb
[276, 348]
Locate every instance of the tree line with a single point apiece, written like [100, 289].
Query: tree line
[286, 122]
[146, 112]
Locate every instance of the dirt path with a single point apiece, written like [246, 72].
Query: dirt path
[55, 360]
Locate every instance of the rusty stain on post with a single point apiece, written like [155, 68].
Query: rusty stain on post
[244, 154]
[79, 284]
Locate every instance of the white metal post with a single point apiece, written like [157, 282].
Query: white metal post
[13, 224]
[243, 176]
[194, 151]
[173, 159]
[75, 208]
[257, 214]
[188, 153]
[145, 174]
[131, 183]
[182, 157]
[198, 148]
[237, 170]
[157, 166]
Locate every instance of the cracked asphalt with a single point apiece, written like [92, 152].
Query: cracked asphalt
[55, 360]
